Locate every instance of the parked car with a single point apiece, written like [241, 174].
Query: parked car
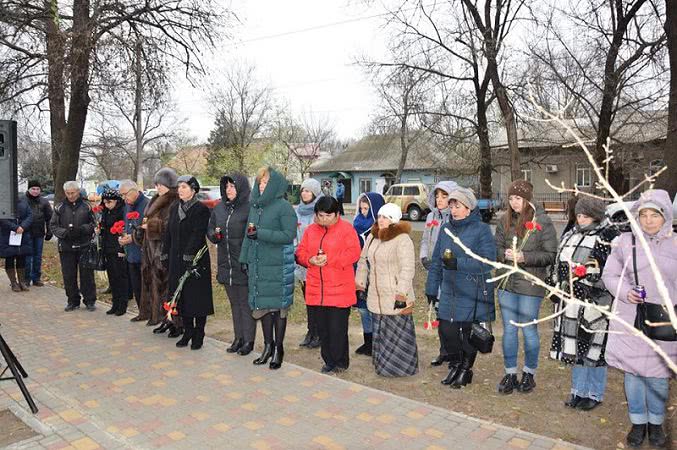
[617, 215]
[412, 198]
[210, 196]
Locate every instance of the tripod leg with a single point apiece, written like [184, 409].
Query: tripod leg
[12, 363]
[11, 355]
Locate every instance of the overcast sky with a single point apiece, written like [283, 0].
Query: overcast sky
[306, 50]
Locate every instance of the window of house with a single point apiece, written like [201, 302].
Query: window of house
[365, 185]
[583, 176]
[526, 174]
[411, 190]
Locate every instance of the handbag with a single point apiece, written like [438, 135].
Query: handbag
[480, 337]
[652, 313]
[91, 256]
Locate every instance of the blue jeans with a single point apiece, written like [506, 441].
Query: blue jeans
[646, 397]
[519, 309]
[34, 261]
[367, 325]
[589, 382]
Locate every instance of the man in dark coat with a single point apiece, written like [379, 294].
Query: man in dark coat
[73, 224]
[227, 229]
[40, 232]
[188, 221]
[135, 204]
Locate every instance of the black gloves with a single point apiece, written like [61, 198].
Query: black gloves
[244, 268]
[361, 296]
[48, 236]
[426, 263]
[432, 299]
[451, 263]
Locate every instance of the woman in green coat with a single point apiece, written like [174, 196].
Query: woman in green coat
[268, 258]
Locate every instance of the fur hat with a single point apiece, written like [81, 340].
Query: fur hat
[591, 207]
[391, 211]
[190, 181]
[522, 188]
[34, 183]
[312, 185]
[465, 196]
[166, 177]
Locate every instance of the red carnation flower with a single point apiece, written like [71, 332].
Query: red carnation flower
[97, 209]
[529, 225]
[433, 223]
[166, 306]
[133, 215]
[580, 271]
[539, 227]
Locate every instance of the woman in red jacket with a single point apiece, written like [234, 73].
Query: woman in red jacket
[329, 248]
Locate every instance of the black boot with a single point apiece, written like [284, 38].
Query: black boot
[185, 339]
[439, 360]
[246, 349]
[315, 342]
[527, 384]
[306, 340]
[174, 331]
[113, 309]
[464, 374]
[454, 367]
[657, 436]
[235, 346]
[198, 339]
[365, 349]
[278, 355]
[508, 383]
[280, 327]
[122, 308]
[11, 274]
[164, 326]
[265, 355]
[23, 284]
[636, 435]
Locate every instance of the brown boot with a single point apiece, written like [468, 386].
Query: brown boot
[11, 274]
[22, 280]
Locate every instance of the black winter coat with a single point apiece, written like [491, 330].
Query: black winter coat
[109, 241]
[231, 218]
[182, 242]
[42, 214]
[80, 215]
[23, 219]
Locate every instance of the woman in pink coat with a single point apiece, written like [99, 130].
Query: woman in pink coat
[647, 375]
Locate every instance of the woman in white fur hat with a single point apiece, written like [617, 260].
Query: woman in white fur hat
[388, 261]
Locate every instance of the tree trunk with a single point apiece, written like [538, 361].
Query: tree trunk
[138, 115]
[404, 147]
[667, 181]
[485, 151]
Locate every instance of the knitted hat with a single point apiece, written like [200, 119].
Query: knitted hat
[651, 205]
[166, 177]
[391, 211]
[591, 207]
[312, 185]
[110, 194]
[465, 196]
[522, 188]
[34, 183]
[190, 181]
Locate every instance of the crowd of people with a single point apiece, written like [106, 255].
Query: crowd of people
[265, 247]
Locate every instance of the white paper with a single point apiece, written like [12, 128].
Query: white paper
[15, 239]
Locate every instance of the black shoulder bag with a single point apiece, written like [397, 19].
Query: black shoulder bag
[652, 313]
[480, 337]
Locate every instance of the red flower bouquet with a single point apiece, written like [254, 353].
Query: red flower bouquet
[432, 223]
[134, 215]
[118, 227]
[580, 271]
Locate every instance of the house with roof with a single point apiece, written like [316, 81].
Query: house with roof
[370, 164]
[549, 152]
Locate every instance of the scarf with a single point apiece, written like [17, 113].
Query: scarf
[363, 225]
[306, 209]
[185, 206]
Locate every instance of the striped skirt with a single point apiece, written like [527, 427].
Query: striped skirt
[394, 349]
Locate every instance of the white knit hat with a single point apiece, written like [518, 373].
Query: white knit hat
[312, 185]
[391, 211]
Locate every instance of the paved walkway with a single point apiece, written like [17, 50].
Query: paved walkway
[103, 382]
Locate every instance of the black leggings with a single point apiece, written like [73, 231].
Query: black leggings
[195, 323]
[15, 262]
[274, 328]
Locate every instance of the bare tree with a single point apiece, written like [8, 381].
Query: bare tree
[628, 38]
[47, 55]
[243, 108]
[670, 149]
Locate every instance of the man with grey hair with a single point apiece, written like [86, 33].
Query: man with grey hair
[73, 224]
[135, 206]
